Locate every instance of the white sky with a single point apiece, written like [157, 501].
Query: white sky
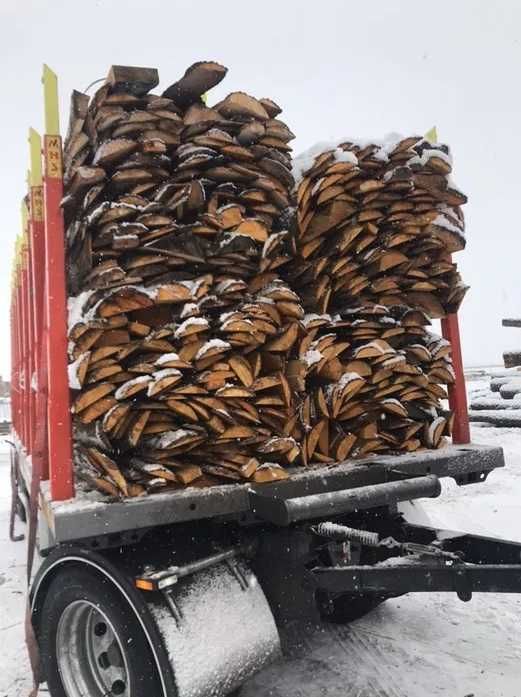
[337, 67]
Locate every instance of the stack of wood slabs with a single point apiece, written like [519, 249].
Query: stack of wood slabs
[192, 263]
[374, 383]
[377, 223]
[181, 330]
[162, 188]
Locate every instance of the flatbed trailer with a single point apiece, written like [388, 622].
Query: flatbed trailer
[182, 593]
[347, 487]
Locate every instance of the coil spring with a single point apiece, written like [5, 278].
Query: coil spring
[341, 532]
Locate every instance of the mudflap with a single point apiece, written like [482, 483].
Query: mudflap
[217, 628]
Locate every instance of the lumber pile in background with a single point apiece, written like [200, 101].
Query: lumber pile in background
[499, 404]
[201, 351]
[512, 359]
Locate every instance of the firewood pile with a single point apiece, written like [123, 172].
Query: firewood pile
[200, 348]
[180, 327]
[377, 223]
[375, 381]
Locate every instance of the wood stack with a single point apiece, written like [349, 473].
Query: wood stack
[375, 228]
[192, 361]
[499, 404]
[162, 188]
[181, 330]
[512, 359]
[374, 384]
[377, 223]
[208, 396]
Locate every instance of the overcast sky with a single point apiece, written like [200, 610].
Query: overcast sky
[337, 67]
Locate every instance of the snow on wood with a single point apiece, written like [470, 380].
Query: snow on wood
[211, 298]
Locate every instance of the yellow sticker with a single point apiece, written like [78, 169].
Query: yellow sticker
[53, 157]
[37, 203]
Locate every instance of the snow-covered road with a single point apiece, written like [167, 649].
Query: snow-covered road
[414, 646]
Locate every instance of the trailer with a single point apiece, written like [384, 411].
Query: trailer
[183, 593]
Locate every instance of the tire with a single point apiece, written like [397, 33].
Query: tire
[347, 607]
[91, 642]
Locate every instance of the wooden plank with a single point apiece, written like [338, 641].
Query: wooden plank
[135, 80]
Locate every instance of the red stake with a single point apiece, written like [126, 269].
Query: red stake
[59, 416]
[37, 253]
[457, 391]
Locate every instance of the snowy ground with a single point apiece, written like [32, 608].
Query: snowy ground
[414, 646]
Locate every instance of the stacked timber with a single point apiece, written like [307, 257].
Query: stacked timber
[181, 330]
[512, 359]
[499, 404]
[374, 383]
[200, 279]
[377, 223]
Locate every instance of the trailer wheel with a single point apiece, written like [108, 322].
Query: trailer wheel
[347, 607]
[91, 643]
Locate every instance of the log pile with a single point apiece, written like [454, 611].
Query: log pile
[208, 395]
[199, 281]
[375, 228]
[374, 385]
[162, 188]
[499, 404]
[181, 329]
[512, 359]
[377, 223]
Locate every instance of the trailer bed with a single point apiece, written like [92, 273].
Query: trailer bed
[84, 517]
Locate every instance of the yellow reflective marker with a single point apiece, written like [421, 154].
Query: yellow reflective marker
[50, 96]
[35, 154]
[204, 98]
[432, 135]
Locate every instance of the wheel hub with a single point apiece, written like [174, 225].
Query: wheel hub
[90, 655]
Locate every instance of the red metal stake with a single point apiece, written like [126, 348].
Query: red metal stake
[457, 391]
[27, 354]
[25, 350]
[15, 387]
[18, 324]
[28, 309]
[37, 253]
[59, 416]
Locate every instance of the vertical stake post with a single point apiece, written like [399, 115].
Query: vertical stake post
[27, 333]
[59, 415]
[15, 361]
[457, 391]
[37, 255]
